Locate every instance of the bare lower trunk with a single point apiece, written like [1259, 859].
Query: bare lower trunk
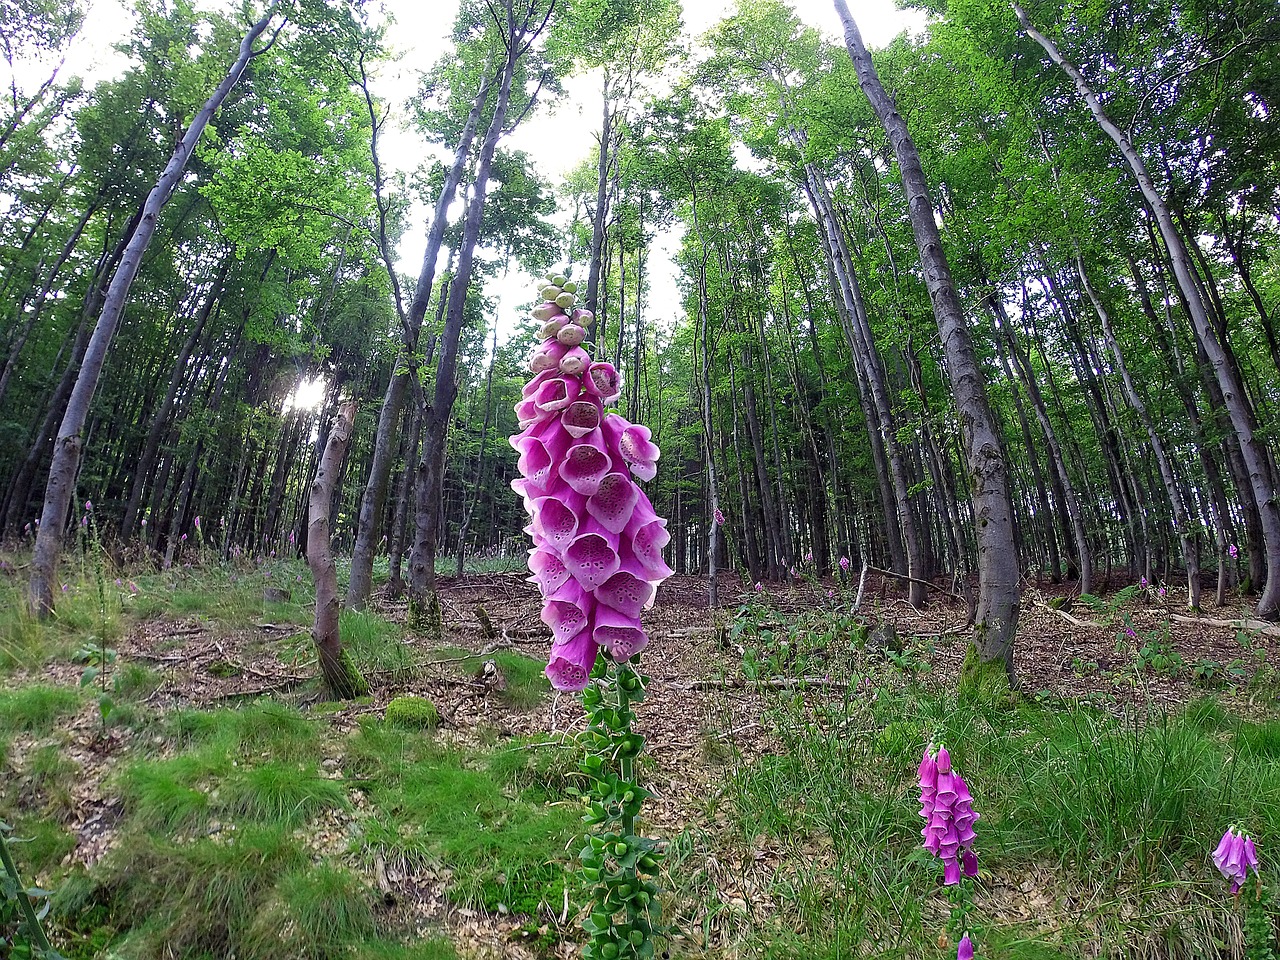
[66, 451]
[340, 675]
[997, 609]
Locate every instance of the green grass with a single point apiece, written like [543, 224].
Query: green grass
[136, 681]
[1124, 812]
[428, 806]
[36, 708]
[527, 684]
[39, 845]
[257, 729]
[312, 912]
[376, 645]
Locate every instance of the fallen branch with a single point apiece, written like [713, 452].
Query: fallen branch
[928, 583]
[1261, 626]
[1075, 621]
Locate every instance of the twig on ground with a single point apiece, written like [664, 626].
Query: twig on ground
[1075, 621]
[1261, 626]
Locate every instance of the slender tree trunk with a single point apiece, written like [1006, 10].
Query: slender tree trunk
[340, 675]
[384, 446]
[997, 610]
[424, 604]
[1261, 483]
[66, 453]
[1181, 516]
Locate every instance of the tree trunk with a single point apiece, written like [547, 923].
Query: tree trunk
[340, 675]
[1181, 516]
[424, 605]
[1260, 481]
[384, 446]
[66, 452]
[997, 609]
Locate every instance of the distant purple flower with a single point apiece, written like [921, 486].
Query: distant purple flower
[965, 950]
[144, 521]
[133, 587]
[119, 582]
[1143, 583]
[1129, 632]
[88, 506]
[759, 587]
[794, 573]
[947, 809]
[183, 538]
[1233, 551]
[1161, 592]
[1235, 857]
[831, 594]
[291, 538]
[844, 564]
[197, 521]
[64, 588]
[719, 518]
[808, 557]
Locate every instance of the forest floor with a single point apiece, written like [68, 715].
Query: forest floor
[782, 735]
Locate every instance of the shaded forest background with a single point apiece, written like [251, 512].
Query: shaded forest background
[804, 379]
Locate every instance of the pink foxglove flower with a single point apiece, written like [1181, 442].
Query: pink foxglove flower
[1235, 857]
[844, 564]
[719, 517]
[597, 542]
[947, 809]
[1233, 551]
[965, 950]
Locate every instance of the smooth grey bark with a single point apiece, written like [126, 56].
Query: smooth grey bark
[384, 447]
[339, 673]
[1235, 400]
[884, 487]
[66, 452]
[997, 609]
[600, 218]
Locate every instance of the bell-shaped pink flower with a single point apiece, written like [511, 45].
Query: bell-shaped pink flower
[1235, 857]
[947, 808]
[965, 950]
[597, 542]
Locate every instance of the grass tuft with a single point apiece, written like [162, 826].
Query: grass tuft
[36, 708]
[313, 913]
[280, 793]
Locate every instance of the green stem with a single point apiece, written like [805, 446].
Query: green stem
[24, 901]
[626, 765]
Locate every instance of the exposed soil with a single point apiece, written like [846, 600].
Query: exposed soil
[698, 702]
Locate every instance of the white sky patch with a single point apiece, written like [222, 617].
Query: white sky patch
[307, 395]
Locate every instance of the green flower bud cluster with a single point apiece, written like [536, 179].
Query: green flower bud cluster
[616, 863]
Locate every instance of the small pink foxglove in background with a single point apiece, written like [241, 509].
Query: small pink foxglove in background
[1235, 857]
[597, 542]
[947, 809]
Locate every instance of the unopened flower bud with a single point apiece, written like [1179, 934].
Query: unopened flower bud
[566, 300]
[571, 335]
